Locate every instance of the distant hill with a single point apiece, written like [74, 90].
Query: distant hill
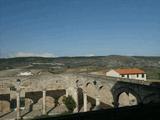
[151, 65]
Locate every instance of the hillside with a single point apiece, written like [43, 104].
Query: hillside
[151, 65]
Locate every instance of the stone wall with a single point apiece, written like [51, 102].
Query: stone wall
[4, 102]
[107, 90]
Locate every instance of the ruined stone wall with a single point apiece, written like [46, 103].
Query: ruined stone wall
[5, 103]
[73, 84]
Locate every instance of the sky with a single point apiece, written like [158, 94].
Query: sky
[53, 28]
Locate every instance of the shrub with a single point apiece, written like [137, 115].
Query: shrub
[70, 103]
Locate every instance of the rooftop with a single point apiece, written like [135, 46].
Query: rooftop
[130, 71]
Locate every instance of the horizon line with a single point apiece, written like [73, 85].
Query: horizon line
[81, 56]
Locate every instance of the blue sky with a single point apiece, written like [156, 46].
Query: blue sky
[79, 27]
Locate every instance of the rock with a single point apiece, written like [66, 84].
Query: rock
[60, 100]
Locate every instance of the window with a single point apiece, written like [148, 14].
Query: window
[127, 76]
[122, 75]
[142, 75]
[137, 75]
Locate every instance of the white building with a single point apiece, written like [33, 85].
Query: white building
[25, 74]
[134, 73]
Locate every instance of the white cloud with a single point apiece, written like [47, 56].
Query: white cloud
[84, 55]
[29, 54]
[90, 55]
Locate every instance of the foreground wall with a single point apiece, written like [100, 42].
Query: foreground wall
[88, 91]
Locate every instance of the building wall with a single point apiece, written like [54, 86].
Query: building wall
[112, 73]
[134, 76]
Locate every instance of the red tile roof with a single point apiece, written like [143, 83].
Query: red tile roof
[130, 71]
